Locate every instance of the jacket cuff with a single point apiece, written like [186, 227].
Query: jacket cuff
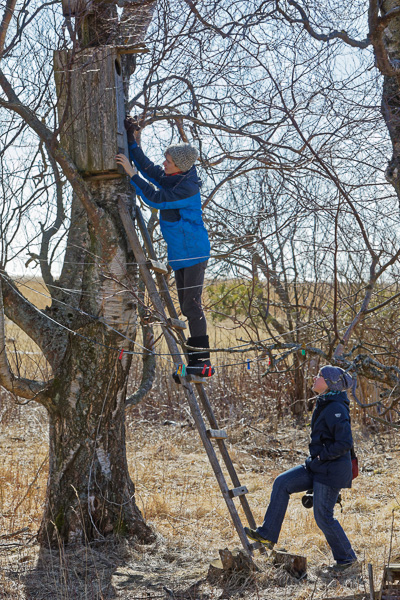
[136, 179]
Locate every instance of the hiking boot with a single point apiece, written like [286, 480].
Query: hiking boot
[201, 368]
[199, 361]
[337, 570]
[254, 535]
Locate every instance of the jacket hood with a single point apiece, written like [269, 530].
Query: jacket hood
[325, 399]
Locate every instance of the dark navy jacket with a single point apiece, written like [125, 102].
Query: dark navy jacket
[179, 202]
[331, 441]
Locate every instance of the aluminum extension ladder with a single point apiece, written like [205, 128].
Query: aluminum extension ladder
[207, 435]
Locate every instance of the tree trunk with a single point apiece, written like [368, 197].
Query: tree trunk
[90, 494]
[391, 94]
[94, 303]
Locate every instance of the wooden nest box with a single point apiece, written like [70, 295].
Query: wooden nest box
[91, 108]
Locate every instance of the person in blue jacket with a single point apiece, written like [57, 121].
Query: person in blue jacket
[175, 191]
[327, 469]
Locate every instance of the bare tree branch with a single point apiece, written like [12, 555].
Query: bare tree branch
[8, 13]
[44, 133]
[305, 21]
[20, 386]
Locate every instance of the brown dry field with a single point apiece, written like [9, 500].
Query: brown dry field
[178, 494]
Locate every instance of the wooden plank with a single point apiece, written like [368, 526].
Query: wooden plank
[122, 138]
[239, 491]
[132, 49]
[157, 266]
[217, 434]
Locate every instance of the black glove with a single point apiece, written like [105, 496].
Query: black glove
[131, 125]
[307, 462]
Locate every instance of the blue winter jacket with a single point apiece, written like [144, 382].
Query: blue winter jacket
[331, 441]
[179, 202]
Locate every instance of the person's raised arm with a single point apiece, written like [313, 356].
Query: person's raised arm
[145, 166]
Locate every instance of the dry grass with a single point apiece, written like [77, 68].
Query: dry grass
[177, 492]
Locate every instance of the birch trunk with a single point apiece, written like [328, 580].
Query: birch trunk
[90, 494]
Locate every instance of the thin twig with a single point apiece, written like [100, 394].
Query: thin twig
[6, 536]
[32, 482]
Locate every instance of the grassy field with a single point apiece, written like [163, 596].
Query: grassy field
[178, 494]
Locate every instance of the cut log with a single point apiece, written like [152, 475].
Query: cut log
[390, 589]
[237, 561]
[294, 564]
[215, 572]
[392, 572]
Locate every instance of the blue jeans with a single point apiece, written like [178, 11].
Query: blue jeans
[299, 479]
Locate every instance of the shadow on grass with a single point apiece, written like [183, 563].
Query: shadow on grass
[76, 572]
[103, 571]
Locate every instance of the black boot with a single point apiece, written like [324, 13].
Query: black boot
[199, 362]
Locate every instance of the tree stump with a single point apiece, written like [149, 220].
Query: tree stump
[294, 564]
[230, 563]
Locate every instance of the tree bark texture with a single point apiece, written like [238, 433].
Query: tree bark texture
[391, 93]
[90, 494]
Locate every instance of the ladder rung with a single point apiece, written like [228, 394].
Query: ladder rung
[217, 434]
[239, 491]
[157, 266]
[197, 379]
[177, 323]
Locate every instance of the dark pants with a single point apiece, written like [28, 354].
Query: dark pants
[189, 283]
[299, 479]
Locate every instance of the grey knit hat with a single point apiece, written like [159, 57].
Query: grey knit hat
[183, 155]
[336, 378]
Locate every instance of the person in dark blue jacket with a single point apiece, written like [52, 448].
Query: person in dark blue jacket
[326, 470]
[175, 191]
